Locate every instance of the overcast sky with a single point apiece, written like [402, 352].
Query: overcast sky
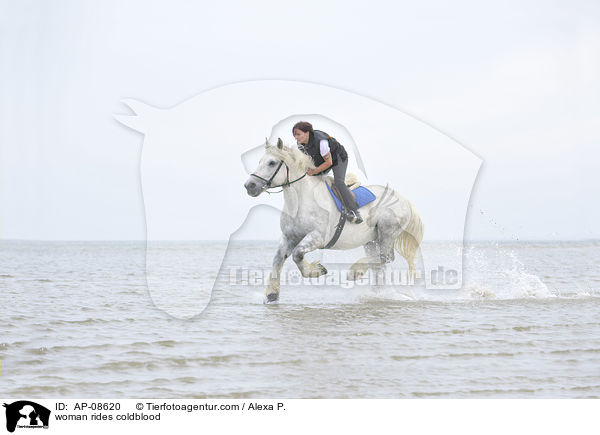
[515, 82]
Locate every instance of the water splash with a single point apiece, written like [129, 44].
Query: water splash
[490, 272]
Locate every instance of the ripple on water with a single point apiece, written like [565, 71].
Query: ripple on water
[37, 351]
[82, 347]
[187, 380]
[523, 328]
[118, 366]
[31, 362]
[81, 322]
[166, 343]
[569, 351]
[160, 343]
[457, 355]
[43, 391]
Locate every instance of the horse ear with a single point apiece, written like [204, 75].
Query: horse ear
[279, 143]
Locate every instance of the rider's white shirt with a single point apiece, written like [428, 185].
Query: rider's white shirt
[324, 147]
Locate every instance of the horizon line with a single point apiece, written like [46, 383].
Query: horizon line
[277, 240]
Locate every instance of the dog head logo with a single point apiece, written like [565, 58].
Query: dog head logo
[26, 414]
[192, 177]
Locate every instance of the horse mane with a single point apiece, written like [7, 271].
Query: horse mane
[293, 157]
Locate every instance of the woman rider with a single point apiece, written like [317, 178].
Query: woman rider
[327, 153]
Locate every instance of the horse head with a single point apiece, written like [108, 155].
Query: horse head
[279, 166]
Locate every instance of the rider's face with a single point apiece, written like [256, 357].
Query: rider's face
[301, 136]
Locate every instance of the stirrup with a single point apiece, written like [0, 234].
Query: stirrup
[353, 216]
[350, 216]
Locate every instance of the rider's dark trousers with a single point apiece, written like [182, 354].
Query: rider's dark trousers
[339, 174]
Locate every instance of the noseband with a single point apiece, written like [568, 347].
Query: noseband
[270, 180]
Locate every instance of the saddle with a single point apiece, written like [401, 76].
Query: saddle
[362, 195]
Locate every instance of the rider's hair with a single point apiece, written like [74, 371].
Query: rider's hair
[303, 126]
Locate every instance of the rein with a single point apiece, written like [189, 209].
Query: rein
[270, 180]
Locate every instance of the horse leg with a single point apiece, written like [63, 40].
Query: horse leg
[381, 250]
[310, 242]
[283, 252]
[389, 226]
[358, 269]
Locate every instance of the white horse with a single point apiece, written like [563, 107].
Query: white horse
[310, 217]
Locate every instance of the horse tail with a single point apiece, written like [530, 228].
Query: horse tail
[407, 243]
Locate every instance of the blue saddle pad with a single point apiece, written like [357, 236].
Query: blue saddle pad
[362, 194]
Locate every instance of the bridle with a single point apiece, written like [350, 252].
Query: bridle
[270, 180]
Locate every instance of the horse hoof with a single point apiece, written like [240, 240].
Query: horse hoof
[321, 270]
[355, 275]
[317, 270]
[271, 297]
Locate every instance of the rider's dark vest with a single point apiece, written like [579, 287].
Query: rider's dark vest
[313, 149]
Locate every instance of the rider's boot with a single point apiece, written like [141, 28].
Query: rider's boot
[350, 216]
[353, 216]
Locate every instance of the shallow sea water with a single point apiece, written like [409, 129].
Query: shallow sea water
[77, 320]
